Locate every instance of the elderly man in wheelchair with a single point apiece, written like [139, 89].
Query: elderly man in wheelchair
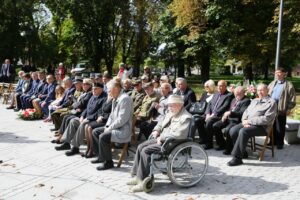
[171, 142]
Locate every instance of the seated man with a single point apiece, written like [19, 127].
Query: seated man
[26, 86]
[160, 110]
[76, 109]
[44, 99]
[231, 118]
[137, 95]
[187, 93]
[18, 90]
[216, 108]
[58, 115]
[33, 90]
[75, 130]
[65, 102]
[257, 119]
[41, 89]
[144, 112]
[117, 128]
[175, 125]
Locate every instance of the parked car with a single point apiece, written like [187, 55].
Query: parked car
[238, 73]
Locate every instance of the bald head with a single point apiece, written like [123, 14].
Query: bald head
[222, 86]
[262, 90]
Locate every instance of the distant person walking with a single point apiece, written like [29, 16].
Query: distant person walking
[60, 72]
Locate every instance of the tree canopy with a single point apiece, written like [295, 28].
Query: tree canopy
[179, 34]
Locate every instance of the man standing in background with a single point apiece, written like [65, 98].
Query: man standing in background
[283, 92]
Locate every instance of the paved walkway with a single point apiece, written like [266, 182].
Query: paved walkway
[32, 169]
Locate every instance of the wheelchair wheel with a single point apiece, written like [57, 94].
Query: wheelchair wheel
[187, 164]
[160, 163]
[148, 184]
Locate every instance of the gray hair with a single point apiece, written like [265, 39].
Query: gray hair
[240, 89]
[210, 83]
[180, 79]
[167, 85]
[113, 83]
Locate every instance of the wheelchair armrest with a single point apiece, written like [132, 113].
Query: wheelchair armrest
[171, 143]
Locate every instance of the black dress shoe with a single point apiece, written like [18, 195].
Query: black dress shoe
[96, 161]
[56, 142]
[106, 165]
[227, 152]
[16, 109]
[208, 146]
[245, 154]
[220, 148]
[64, 146]
[235, 162]
[73, 151]
[279, 147]
[10, 107]
[53, 129]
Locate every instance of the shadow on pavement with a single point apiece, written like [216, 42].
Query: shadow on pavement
[7, 137]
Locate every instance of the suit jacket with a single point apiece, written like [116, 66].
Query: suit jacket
[66, 99]
[237, 112]
[11, 69]
[19, 86]
[188, 97]
[40, 87]
[27, 86]
[120, 119]
[219, 104]
[174, 126]
[94, 104]
[34, 87]
[83, 101]
[105, 110]
[50, 93]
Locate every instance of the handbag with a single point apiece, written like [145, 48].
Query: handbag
[198, 108]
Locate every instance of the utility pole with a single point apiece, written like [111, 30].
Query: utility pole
[277, 63]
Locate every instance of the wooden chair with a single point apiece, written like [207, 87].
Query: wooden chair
[121, 155]
[262, 147]
[7, 94]
[1, 89]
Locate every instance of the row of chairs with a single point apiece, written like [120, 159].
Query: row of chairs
[6, 89]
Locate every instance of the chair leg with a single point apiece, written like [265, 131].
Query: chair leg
[272, 139]
[124, 151]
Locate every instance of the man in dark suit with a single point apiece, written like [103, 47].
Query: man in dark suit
[8, 72]
[230, 118]
[77, 125]
[186, 93]
[44, 101]
[214, 111]
[41, 89]
[33, 90]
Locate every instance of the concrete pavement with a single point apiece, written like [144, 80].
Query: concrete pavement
[32, 169]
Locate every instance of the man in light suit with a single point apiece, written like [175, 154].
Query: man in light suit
[8, 72]
[257, 120]
[117, 128]
[175, 125]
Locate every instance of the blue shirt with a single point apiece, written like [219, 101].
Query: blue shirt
[277, 90]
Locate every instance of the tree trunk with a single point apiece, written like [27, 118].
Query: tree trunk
[248, 72]
[205, 65]
[180, 67]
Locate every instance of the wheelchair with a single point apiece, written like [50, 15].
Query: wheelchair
[183, 160]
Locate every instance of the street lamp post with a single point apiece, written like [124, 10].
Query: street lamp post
[277, 63]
